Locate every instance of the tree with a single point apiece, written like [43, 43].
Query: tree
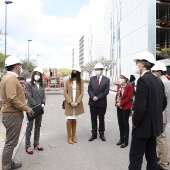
[64, 72]
[2, 60]
[89, 67]
[28, 66]
[108, 64]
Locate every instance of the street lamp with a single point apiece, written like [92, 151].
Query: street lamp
[37, 60]
[6, 2]
[28, 50]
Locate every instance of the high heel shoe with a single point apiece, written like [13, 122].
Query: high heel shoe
[36, 147]
[29, 152]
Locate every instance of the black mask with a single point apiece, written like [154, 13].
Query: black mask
[73, 75]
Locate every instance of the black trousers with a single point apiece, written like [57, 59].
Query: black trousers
[137, 150]
[123, 121]
[100, 112]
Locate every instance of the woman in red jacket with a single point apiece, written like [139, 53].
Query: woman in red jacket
[123, 103]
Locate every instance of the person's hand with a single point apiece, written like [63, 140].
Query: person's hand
[42, 106]
[118, 104]
[75, 104]
[72, 104]
[30, 112]
[95, 98]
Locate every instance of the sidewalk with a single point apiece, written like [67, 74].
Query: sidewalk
[2, 137]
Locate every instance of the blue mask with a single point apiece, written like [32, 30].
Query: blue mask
[97, 73]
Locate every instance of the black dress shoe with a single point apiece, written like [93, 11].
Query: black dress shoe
[15, 165]
[102, 138]
[123, 145]
[119, 143]
[93, 137]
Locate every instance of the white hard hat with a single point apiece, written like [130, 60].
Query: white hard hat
[11, 60]
[145, 55]
[159, 66]
[126, 75]
[98, 65]
[77, 68]
[39, 69]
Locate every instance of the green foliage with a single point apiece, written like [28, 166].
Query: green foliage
[64, 72]
[165, 52]
[2, 60]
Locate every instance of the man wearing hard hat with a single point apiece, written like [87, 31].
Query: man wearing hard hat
[150, 101]
[13, 105]
[159, 69]
[98, 90]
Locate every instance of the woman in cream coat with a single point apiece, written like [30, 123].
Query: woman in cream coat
[73, 93]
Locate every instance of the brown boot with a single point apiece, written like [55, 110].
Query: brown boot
[74, 123]
[69, 127]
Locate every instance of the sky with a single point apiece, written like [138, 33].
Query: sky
[54, 26]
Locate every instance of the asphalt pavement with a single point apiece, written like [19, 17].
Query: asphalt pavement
[59, 155]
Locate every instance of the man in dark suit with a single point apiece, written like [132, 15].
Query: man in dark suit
[150, 101]
[98, 90]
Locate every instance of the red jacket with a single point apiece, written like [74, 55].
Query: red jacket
[126, 100]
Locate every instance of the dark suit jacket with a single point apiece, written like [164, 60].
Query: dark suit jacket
[34, 95]
[150, 101]
[101, 92]
[126, 100]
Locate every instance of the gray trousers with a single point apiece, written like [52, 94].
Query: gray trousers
[13, 124]
[36, 131]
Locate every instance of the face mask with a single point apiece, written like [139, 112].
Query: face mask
[73, 75]
[97, 73]
[36, 77]
[121, 81]
[137, 70]
[21, 70]
[155, 74]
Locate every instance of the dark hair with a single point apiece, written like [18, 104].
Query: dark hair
[10, 68]
[78, 79]
[132, 78]
[40, 80]
[146, 64]
[162, 72]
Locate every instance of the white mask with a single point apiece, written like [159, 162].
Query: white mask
[121, 81]
[155, 74]
[21, 70]
[137, 70]
[36, 77]
[97, 73]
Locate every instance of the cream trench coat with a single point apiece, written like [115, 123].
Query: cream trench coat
[69, 98]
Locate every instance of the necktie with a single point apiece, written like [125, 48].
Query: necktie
[98, 81]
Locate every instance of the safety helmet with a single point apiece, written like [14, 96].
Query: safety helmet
[39, 69]
[145, 55]
[159, 66]
[98, 65]
[11, 60]
[77, 68]
[126, 75]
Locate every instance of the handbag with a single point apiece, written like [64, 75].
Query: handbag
[63, 104]
[38, 111]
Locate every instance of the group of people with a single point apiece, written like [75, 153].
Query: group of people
[150, 103]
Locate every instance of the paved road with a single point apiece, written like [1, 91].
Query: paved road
[59, 155]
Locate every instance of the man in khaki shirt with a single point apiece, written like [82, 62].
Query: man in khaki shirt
[13, 105]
